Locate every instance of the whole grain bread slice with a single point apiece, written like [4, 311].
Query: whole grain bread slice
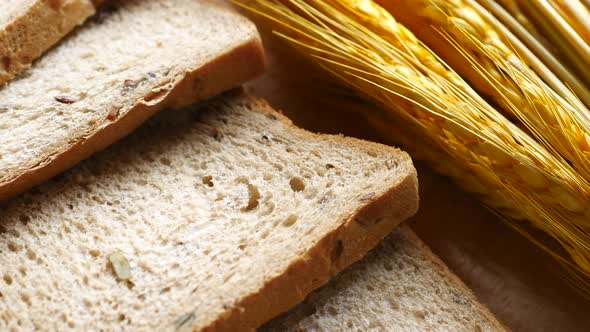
[215, 218]
[107, 77]
[399, 286]
[28, 28]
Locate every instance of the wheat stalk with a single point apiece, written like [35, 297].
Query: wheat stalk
[493, 68]
[432, 102]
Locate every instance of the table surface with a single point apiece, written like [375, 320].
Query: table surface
[518, 282]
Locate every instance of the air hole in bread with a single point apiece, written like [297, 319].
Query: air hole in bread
[253, 194]
[419, 314]
[12, 246]
[208, 180]
[297, 184]
[290, 221]
[7, 279]
[388, 267]
[26, 298]
[81, 227]
[31, 255]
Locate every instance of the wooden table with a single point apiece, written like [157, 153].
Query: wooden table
[519, 283]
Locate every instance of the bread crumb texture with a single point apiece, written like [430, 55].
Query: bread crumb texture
[197, 210]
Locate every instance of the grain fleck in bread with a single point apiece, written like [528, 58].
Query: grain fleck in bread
[227, 216]
[30, 27]
[400, 286]
[107, 77]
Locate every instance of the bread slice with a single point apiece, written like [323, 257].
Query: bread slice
[109, 76]
[30, 27]
[227, 216]
[400, 286]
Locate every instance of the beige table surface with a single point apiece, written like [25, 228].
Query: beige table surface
[518, 282]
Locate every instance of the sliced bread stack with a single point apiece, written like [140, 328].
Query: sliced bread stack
[109, 76]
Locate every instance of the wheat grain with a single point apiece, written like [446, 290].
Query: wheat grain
[363, 45]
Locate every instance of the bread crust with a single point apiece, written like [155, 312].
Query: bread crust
[237, 65]
[356, 234]
[28, 35]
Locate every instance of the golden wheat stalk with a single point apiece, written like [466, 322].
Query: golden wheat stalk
[486, 59]
[433, 103]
